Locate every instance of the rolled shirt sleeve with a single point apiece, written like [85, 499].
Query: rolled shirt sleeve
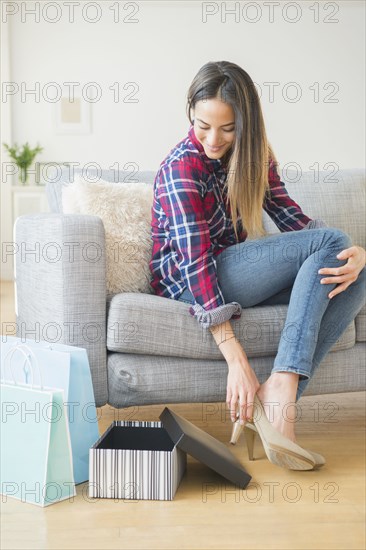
[315, 224]
[182, 199]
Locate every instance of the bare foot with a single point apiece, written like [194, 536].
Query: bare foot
[278, 396]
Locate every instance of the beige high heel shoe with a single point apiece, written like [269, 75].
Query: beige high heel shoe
[250, 432]
[279, 449]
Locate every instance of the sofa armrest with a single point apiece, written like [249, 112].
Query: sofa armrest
[60, 286]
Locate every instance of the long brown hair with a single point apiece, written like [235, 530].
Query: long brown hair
[249, 157]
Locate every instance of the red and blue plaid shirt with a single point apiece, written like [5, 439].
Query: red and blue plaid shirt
[191, 225]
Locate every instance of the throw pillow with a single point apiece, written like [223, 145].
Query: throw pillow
[125, 209]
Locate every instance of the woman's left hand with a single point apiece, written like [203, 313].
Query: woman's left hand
[348, 273]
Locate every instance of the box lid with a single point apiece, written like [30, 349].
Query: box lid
[204, 448]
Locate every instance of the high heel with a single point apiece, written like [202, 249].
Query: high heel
[249, 436]
[250, 439]
[251, 430]
[279, 449]
[235, 434]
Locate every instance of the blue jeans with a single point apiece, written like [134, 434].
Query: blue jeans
[283, 269]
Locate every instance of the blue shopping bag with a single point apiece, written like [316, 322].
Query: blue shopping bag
[35, 447]
[67, 367]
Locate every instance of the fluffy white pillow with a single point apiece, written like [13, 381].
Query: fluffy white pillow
[125, 209]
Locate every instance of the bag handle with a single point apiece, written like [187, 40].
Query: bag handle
[23, 348]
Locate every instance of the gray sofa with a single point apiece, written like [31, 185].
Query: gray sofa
[145, 349]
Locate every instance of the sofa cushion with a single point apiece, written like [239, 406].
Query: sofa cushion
[125, 211]
[337, 198]
[137, 380]
[153, 325]
[60, 175]
[323, 195]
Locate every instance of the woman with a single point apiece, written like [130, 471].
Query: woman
[210, 250]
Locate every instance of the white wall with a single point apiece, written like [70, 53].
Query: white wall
[162, 52]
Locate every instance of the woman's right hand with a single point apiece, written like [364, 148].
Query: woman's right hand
[242, 385]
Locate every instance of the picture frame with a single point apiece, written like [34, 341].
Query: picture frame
[72, 115]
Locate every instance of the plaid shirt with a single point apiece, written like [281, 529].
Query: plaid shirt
[191, 225]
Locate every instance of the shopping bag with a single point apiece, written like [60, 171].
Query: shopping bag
[67, 367]
[35, 456]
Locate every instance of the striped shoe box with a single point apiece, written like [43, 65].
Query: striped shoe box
[135, 460]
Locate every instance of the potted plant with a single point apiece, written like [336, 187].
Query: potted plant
[23, 158]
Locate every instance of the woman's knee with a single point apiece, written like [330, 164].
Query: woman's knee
[338, 237]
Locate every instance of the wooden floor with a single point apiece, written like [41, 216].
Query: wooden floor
[281, 509]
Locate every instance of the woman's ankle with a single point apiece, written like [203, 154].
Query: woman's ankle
[278, 395]
[283, 378]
